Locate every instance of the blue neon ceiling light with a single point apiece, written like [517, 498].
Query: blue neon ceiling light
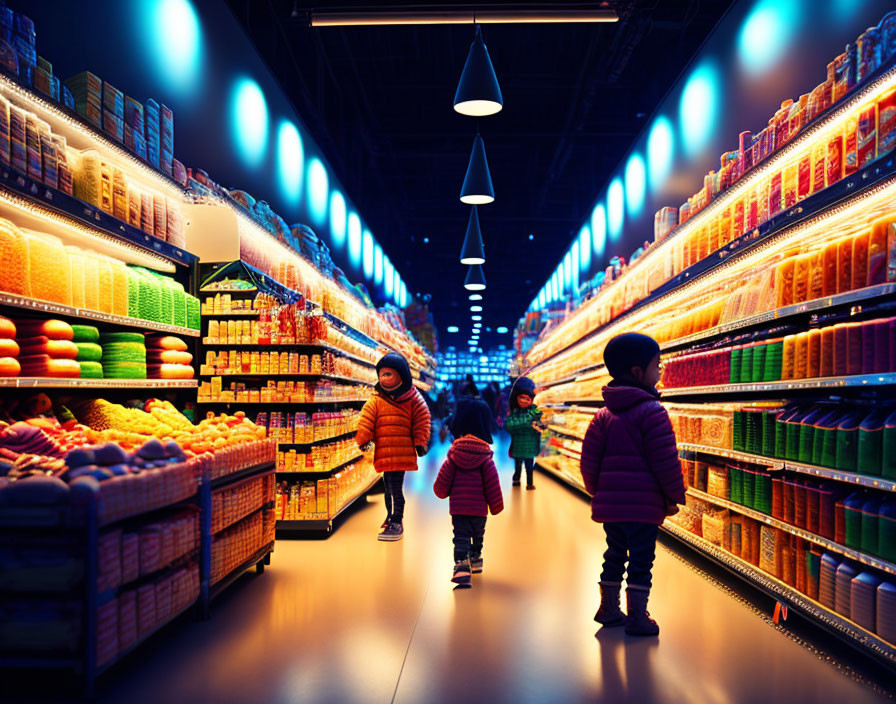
[338, 219]
[660, 151]
[698, 107]
[318, 190]
[290, 161]
[174, 41]
[377, 264]
[766, 33]
[615, 208]
[584, 243]
[249, 121]
[367, 254]
[635, 184]
[354, 239]
[453, 328]
[599, 230]
[575, 266]
[389, 277]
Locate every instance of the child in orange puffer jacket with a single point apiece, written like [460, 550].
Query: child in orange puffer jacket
[396, 419]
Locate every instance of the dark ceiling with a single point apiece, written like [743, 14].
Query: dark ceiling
[378, 102]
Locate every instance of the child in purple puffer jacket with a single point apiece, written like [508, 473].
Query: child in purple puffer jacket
[631, 469]
[469, 477]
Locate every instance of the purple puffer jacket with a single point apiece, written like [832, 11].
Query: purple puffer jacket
[470, 478]
[630, 460]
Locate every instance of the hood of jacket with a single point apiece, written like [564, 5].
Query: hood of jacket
[621, 398]
[399, 364]
[469, 452]
[523, 385]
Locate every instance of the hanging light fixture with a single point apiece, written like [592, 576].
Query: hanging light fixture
[478, 93]
[473, 251]
[477, 188]
[475, 280]
[475, 297]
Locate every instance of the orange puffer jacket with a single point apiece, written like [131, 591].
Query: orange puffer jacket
[396, 426]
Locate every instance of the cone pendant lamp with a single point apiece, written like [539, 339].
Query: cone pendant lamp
[475, 280]
[473, 251]
[477, 188]
[478, 93]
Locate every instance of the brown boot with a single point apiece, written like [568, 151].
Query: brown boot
[609, 613]
[638, 621]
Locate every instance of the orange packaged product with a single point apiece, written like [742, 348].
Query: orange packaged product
[800, 355]
[737, 220]
[789, 185]
[834, 160]
[877, 251]
[703, 249]
[841, 349]
[713, 229]
[784, 282]
[725, 227]
[816, 275]
[850, 146]
[829, 269]
[14, 255]
[826, 362]
[813, 354]
[776, 194]
[860, 260]
[801, 276]
[788, 363]
[819, 168]
[844, 265]
[804, 176]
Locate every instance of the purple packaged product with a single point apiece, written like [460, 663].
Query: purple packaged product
[133, 114]
[9, 60]
[25, 26]
[17, 156]
[49, 160]
[140, 145]
[179, 172]
[868, 53]
[887, 29]
[67, 98]
[32, 149]
[4, 131]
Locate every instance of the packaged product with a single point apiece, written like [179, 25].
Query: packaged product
[886, 116]
[18, 157]
[4, 131]
[868, 53]
[147, 213]
[160, 216]
[119, 195]
[860, 260]
[14, 254]
[888, 448]
[65, 179]
[133, 218]
[49, 270]
[867, 136]
[844, 265]
[153, 134]
[834, 160]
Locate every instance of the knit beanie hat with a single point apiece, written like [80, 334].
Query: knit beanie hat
[397, 363]
[523, 385]
[630, 349]
[472, 417]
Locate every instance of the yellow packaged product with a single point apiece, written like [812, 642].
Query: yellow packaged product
[91, 282]
[104, 282]
[76, 260]
[801, 277]
[49, 270]
[119, 194]
[788, 362]
[800, 355]
[14, 253]
[784, 282]
[119, 287]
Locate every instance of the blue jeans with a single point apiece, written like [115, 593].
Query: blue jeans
[393, 484]
[634, 543]
[518, 469]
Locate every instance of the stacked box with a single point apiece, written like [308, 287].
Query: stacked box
[113, 112]
[152, 125]
[17, 150]
[134, 128]
[166, 150]
[43, 77]
[4, 131]
[65, 180]
[87, 92]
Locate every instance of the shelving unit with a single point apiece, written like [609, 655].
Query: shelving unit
[25, 382]
[317, 526]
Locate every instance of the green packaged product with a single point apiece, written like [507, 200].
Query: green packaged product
[134, 280]
[758, 371]
[888, 448]
[852, 517]
[848, 441]
[738, 433]
[91, 370]
[734, 373]
[824, 449]
[768, 432]
[109, 337]
[753, 430]
[781, 421]
[762, 492]
[735, 484]
[88, 352]
[749, 487]
[871, 441]
[774, 359]
[85, 333]
[194, 319]
[870, 525]
[886, 531]
[794, 425]
[745, 371]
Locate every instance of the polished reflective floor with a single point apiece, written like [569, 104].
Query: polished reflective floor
[351, 619]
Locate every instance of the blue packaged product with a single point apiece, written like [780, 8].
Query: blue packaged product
[852, 62]
[25, 26]
[153, 134]
[7, 18]
[26, 73]
[67, 98]
[17, 151]
[9, 60]
[24, 49]
[867, 53]
[887, 29]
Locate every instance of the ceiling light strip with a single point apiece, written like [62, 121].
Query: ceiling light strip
[82, 136]
[386, 17]
[764, 170]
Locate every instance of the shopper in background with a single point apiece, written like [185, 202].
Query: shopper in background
[490, 396]
[502, 407]
[471, 415]
[524, 425]
[631, 469]
[469, 478]
[396, 419]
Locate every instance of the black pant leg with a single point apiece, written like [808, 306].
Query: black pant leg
[616, 553]
[478, 523]
[530, 470]
[387, 495]
[517, 468]
[398, 497]
[463, 537]
[642, 552]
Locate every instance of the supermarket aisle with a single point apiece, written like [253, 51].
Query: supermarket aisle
[354, 620]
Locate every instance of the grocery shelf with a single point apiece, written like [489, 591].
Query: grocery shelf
[176, 563]
[322, 402]
[81, 134]
[233, 521]
[357, 334]
[234, 314]
[565, 431]
[33, 382]
[257, 557]
[732, 455]
[323, 525]
[568, 453]
[332, 377]
[859, 381]
[50, 308]
[852, 554]
[328, 470]
[318, 441]
[849, 298]
[563, 476]
[853, 634]
[286, 346]
[858, 182]
[233, 477]
[39, 207]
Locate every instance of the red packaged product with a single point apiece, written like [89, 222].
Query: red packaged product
[886, 117]
[775, 191]
[877, 251]
[850, 147]
[819, 171]
[867, 136]
[883, 346]
[804, 177]
[834, 161]
[854, 355]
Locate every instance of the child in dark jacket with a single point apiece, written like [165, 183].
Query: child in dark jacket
[469, 479]
[524, 425]
[631, 469]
